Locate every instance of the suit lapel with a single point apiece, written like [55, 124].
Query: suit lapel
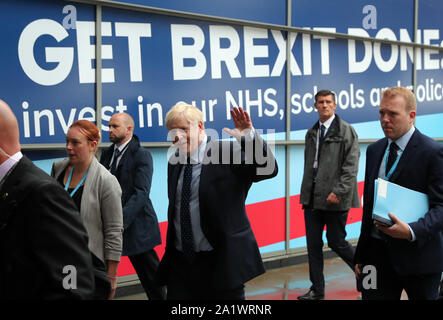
[205, 161]
[174, 173]
[312, 134]
[12, 192]
[378, 159]
[120, 164]
[127, 153]
[334, 129]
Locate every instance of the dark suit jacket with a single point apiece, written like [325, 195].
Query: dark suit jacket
[134, 172]
[40, 233]
[420, 168]
[222, 193]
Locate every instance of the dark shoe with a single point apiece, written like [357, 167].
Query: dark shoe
[312, 295]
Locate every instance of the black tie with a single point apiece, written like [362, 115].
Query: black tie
[114, 162]
[185, 214]
[320, 141]
[393, 148]
[322, 132]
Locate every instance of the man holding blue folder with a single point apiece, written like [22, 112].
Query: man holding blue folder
[405, 256]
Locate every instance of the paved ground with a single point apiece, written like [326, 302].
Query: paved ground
[289, 282]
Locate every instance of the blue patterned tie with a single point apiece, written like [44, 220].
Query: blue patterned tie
[114, 163]
[185, 215]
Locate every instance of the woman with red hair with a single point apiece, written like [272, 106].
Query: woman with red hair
[97, 194]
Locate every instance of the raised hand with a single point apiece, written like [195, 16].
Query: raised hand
[242, 122]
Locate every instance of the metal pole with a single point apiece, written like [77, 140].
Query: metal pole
[414, 51]
[288, 130]
[98, 70]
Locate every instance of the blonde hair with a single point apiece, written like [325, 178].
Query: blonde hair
[408, 95]
[184, 111]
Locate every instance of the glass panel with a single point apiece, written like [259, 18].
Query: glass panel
[429, 92]
[357, 71]
[266, 208]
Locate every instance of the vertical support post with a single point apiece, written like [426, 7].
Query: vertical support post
[288, 129]
[98, 71]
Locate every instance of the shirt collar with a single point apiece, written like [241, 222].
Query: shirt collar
[327, 123]
[120, 148]
[8, 164]
[402, 142]
[197, 156]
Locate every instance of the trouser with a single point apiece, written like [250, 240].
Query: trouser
[384, 283]
[146, 264]
[193, 280]
[335, 222]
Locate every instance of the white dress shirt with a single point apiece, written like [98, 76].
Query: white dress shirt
[6, 166]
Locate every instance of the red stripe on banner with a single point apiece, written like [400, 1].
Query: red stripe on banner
[125, 267]
[267, 221]
[356, 214]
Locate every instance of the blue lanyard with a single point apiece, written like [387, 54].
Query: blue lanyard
[391, 171]
[79, 184]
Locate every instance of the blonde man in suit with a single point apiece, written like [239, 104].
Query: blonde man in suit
[211, 250]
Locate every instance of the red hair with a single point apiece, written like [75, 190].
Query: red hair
[87, 128]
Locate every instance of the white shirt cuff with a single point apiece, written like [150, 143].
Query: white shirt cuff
[412, 234]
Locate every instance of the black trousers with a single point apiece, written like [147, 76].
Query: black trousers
[146, 265]
[389, 284]
[193, 281]
[335, 222]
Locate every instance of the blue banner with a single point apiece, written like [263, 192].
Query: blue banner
[150, 62]
[254, 10]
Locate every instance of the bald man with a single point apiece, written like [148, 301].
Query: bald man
[43, 244]
[132, 165]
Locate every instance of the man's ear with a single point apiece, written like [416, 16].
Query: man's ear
[412, 114]
[130, 130]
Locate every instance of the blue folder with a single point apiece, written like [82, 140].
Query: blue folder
[406, 204]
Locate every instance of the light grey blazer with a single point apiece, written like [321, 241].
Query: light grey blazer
[101, 210]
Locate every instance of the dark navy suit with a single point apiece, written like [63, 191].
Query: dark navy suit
[141, 231]
[416, 265]
[41, 233]
[223, 189]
